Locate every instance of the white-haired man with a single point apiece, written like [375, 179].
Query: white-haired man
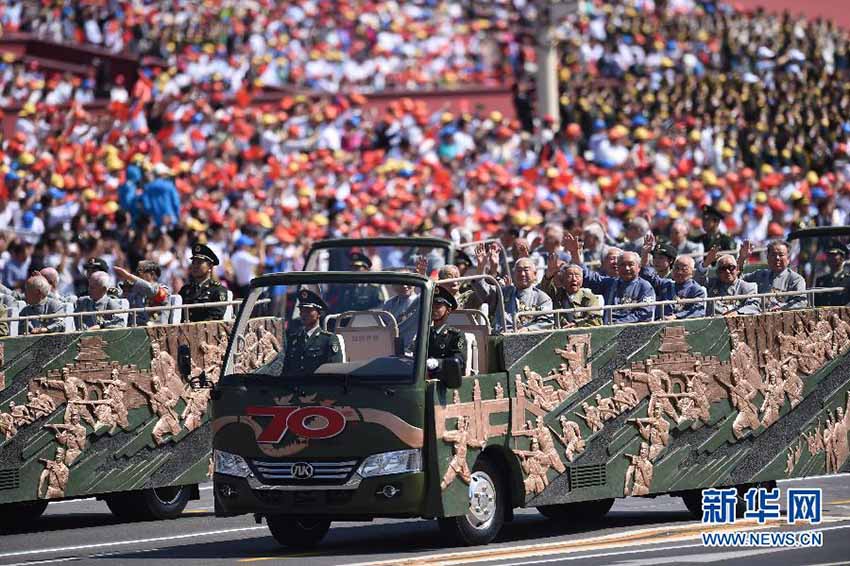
[520, 296]
[39, 303]
[98, 300]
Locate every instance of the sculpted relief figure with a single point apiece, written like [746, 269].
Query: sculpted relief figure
[7, 426]
[72, 438]
[625, 397]
[639, 473]
[535, 464]
[196, 406]
[40, 404]
[54, 478]
[742, 393]
[461, 439]
[571, 437]
[591, 416]
[162, 401]
[840, 336]
[656, 430]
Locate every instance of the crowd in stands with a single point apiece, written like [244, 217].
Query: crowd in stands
[327, 45]
[662, 112]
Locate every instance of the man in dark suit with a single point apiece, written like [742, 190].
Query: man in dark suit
[444, 342]
[309, 347]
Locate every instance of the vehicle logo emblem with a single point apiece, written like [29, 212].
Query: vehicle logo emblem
[302, 471]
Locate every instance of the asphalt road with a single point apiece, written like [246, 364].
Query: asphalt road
[636, 532]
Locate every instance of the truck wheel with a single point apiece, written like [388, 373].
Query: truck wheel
[14, 515]
[298, 532]
[150, 504]
[486, 515]
[584, 510]
[693, 501]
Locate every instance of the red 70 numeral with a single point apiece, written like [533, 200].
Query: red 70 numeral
[307, 422]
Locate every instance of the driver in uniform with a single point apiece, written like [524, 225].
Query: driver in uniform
[309, 347]
[444, 341]
[362, 296]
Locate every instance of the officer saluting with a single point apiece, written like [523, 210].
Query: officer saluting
[202, 288]
[310, 346]
[444, 341]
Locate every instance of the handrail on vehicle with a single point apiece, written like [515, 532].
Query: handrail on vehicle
[133, 311]
[761, 296]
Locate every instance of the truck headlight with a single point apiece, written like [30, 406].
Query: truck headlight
[231, 464]
[388, 463]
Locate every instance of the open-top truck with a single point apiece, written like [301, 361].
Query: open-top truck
[564, 420]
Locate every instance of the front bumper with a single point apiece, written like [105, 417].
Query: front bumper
[361, 497]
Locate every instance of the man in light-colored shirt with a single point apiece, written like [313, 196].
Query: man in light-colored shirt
[777, 277]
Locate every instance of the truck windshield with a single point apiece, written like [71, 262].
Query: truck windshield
[334, 329]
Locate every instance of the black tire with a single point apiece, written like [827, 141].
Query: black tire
[693, 501]
[582, 511]
[298, 532]
[150, 504]
[16, 515]
[483, 522]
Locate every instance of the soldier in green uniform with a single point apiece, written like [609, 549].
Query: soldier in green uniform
[309, 347]
[444, 342]
[362, 296]
[712, 236]
[838, 276]
[202, 288]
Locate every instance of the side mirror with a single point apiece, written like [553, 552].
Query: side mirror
[449, 373]
[184, 360]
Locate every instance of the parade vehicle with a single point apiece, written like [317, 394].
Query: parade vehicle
[106, 414]
[564, 420]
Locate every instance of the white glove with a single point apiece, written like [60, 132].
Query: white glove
[432, 364]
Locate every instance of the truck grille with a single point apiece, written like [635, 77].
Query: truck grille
[323, 473]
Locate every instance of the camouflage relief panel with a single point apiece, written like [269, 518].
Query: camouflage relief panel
[655, 408]
[465, 421]
[92, 413]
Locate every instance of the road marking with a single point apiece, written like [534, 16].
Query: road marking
[282, 557]
[840, 502]
[826, 477]
[649, 535]
[191, 511]
[128, 542]
[645, 550]
[639, 537]
[702, 558]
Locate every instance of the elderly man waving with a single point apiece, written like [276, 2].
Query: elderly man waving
[627, 289]
[680, 284]
[521, 296]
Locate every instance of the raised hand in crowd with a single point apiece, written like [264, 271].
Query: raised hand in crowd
[646, 248]
[422, 265]
[573, 246]
[521, 249]
[744, 254]
[710, 256]
[553, 266]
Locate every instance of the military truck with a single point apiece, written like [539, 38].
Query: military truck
[563, 420]
[106, 414]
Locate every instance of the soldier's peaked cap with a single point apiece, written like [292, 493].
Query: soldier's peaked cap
[443, 296]
[309, 299]
[666, 249]
[462, 257]
[359, 259]
[201, 251]
[709, 210]
[836, 248]
[96, 264]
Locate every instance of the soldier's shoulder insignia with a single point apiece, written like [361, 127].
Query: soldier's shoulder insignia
[334, 346]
